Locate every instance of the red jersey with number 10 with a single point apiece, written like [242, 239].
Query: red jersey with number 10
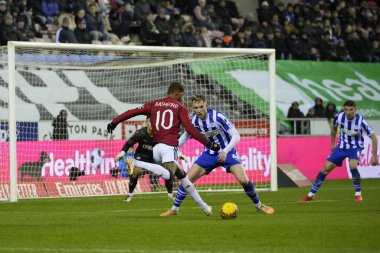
[166, 115]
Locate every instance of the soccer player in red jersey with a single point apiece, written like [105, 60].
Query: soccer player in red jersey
[167, 115]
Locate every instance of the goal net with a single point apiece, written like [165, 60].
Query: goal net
[40, 83]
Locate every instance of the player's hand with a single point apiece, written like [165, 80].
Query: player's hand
[222, 156]
[183, 157]
[110, 127]
[332, 147]
[213, 146]
[374, 160]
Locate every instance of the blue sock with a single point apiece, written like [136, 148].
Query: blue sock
[318, 181]
[251, 192]
[356, 180]
[180, 197]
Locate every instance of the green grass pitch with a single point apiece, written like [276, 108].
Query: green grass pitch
[333, 222]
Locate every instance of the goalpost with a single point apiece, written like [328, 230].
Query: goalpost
[94, 84]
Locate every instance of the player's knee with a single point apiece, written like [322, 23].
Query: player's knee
[244, 182]
[180, 174]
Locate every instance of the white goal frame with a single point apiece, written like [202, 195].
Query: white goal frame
[12, 45]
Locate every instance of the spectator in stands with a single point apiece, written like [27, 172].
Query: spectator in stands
[22, 26]
[264, 12]
[275, 22]
[3, 10]
[342, 53]
[282, 52]
[175, 36]
[326, 48]
[269, 40]
[279, 10]
[239, 39]
[10, 32]
[80, 14]
[259, 40]
[375, 51]
[81, 34]
[148, 32]
[95, 24]
[311, 113]
[125, 18]
[67, 13]
[330, 112]
[204, 38]
[162, 25]
[201, 17]
[214, 17]
[188, 36]
[250, 22]
[319, 109]
[51, 10]
[65, 34]
[176, 19]
[248, 36]
[293, 43]
[289, 14]
[295, 112]
[141, 11]
[60, 126]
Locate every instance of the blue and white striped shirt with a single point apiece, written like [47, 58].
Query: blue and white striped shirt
[351, 132]
[214, 128]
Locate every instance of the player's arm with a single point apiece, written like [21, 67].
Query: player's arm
[184, 137]
[128, 146]
[193, 132]
[333, 137]
[235, 138]
[333, 132]
[141, 110]
[374, 159]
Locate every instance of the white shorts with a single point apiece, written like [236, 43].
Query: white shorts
[163, 153]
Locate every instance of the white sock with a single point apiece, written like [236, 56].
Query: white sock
[310, 194]
[258, 205]
[358, 193]
[175, 208]
[154, 168]
[190, 189]
[170, 195]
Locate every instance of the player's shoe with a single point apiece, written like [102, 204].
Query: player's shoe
[128, 198]
[131, 164]
[358, 198]
[305, 198]
[207, 210]
[169, 213]
[265, 209]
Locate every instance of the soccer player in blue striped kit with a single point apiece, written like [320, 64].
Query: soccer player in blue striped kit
[352, 128]
[218, 129]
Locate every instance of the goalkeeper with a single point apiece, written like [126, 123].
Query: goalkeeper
[144, 160]
[218, 129]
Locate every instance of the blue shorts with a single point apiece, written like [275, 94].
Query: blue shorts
[338, 155]
[210, 162]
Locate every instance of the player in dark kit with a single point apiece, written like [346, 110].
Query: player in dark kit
[167, 115]
[143, 153]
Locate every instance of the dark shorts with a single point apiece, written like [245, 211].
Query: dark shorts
[210, 162]
[338, 155]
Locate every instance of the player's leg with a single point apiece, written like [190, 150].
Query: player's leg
[194, 173]
[154, 168]
[169, 188]
[238, 171]
[132, 183]
[318, 181]
[356, 179]
[168, 156]
[354, 157]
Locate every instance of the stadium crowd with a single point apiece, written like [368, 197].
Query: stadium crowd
[321, 30]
